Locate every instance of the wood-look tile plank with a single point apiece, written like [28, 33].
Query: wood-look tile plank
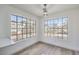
[45, 49]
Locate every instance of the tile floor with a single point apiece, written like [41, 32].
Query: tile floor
[45, 49]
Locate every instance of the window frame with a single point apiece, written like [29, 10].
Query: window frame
[52, 35]
[21, 28]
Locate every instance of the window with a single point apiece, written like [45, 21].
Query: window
[56, 27]
[22, 28]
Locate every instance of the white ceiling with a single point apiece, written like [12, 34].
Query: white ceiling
[36, 9]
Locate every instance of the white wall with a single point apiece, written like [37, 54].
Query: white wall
[73, 30]
[5, 12]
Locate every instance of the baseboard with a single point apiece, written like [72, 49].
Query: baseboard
[74, 52]
[16, 53]
[44, 43]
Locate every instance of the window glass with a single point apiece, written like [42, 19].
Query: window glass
[22, 28]
[57, 27]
